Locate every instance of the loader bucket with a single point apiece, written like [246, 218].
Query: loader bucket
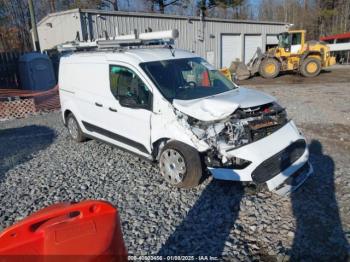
[241, 71]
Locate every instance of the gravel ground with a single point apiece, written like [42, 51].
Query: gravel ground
[40, 165]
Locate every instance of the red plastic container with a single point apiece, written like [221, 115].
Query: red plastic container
[85, 231]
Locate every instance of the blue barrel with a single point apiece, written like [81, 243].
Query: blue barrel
[36, 72]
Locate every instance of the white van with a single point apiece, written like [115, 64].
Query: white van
[171, 106]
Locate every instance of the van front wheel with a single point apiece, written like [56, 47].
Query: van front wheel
[180, 165]
[74, 128]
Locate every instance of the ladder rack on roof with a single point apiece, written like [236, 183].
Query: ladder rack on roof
[124, 41]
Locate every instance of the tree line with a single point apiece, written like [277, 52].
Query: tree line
[318, 17]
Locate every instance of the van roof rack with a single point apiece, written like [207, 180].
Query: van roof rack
[160, 38]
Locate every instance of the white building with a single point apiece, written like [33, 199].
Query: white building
[220, 41]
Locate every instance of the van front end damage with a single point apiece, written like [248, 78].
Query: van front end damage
[280, 160]
[257, 144]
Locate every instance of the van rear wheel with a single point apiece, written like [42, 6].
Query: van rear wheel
[180, 165]
[74, 128]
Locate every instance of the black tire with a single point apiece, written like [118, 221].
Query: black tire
[77, 135]
[269, 63]
[193, 165]
[306, 66]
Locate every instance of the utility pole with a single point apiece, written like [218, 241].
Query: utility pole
[202, 10]
[33, 22]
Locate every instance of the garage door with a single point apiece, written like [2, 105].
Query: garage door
[271, 40]
[231, 49]
[251, 43]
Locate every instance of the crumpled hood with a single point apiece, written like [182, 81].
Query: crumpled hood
[222, 105]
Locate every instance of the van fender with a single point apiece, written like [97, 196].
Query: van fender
[71, 107]
[170, 128]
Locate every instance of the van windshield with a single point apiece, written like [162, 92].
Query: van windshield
[188, 78]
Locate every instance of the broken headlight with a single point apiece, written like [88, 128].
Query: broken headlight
[212, 159]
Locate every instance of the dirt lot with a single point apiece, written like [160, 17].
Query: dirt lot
[336, 74]
[40, 165]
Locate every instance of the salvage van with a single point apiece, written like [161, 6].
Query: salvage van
[172, 107]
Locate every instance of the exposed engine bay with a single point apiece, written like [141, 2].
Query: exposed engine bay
[244, 126]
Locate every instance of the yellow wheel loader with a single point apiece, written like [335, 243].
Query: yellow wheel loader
[291, 54]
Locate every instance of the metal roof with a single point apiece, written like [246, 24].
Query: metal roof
[71, 11]
[337, 36]
[143, 14]
[157, 15]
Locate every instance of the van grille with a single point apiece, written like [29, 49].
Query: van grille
[279, 162]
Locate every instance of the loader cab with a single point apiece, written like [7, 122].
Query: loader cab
[292, 42]
[284, 41]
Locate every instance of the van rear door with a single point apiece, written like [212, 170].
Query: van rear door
[90, 81]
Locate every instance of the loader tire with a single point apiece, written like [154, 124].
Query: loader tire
[180, 165]
[311, 67]
[269, 68]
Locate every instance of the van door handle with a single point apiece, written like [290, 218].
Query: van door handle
[113, 109]
[98, 104]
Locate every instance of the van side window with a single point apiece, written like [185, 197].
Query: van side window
[127, 86]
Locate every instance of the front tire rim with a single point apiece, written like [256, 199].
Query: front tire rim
[172, 166]
[73, 127]
[270, 68]
[311, 67]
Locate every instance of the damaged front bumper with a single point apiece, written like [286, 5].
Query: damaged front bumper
[280, 160]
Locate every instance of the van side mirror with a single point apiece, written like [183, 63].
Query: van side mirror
[128, 101]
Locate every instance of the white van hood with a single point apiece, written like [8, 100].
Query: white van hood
[222, 105]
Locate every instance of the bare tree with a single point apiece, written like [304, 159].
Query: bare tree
[236, 9]
[318, 17]
[161, 5]
[52, 6]
[16, 24]
[110, 3]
